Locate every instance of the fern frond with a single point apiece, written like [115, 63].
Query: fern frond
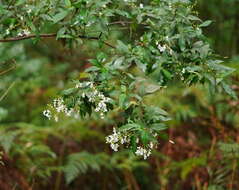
[80, 163]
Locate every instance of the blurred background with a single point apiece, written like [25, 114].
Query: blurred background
[71, 154]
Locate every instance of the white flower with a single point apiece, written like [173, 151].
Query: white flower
[114, 147]
[170, 6]
[116, 138]
[151, 145]
[171, 51]
[56, 118]
[137, 140]
[141, 5]
[161, 48]
[7, 32]
[143, 152]
[29, 11]
[47, 113]
[102, 116]
[24, 32]
[79, 85]
[68, 112]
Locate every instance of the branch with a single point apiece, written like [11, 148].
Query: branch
[19, 38]
[120, 22]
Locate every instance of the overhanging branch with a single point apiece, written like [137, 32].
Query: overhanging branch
[19, 38]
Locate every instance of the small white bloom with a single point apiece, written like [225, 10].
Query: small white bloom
[137, 140]
[47, 113]
[151, 145]
[24, 32]
[155, 134]
[115, 147]
[141, 5]
[143, 152]
[102, 116]
[7, 32]
[29, 11]
[161, 48]
[171, 51]
[56, 118]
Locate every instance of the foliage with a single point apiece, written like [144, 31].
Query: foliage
[131, 66]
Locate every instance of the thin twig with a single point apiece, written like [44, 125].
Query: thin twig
[120, 22]
[19, 38]
[6, 71]
[6, 92]
[10, 4]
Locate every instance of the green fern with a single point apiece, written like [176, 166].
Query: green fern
[229, 149]
[80, 163]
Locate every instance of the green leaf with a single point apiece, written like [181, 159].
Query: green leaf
[129, 127]
[151, 88]
[122, 99]
[122, 47]
[229, 90]
[60, 16]
[167, 74]
[192, 17]
[206, 23]
[158, 126]
[68, 3]
[145, 137]
[61, 33]
[20, 2]
[69, 91]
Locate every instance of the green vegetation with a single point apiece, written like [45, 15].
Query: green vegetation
[119, 94]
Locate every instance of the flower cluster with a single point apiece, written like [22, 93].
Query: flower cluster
[116, 139]
[163, 48]
[160, 47]
[143, 152]
[24, 32]
[96, 97]
[93, 95]
[59, 107]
